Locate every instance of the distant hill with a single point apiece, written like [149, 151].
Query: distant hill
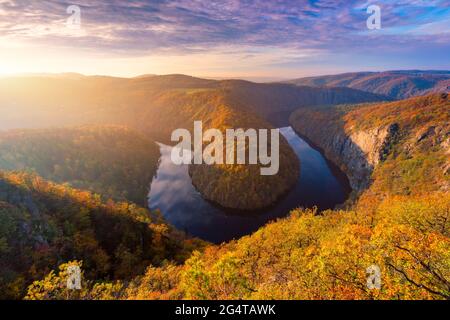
[395, 84]
[275, 101]
[148, 75]
[153, 103]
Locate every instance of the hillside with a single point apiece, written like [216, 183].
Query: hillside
[241, 186]
[270, 99]
[108, 160]
[43, 224]
[394, 84]
[304, 256]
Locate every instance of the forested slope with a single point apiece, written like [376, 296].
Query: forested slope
[305, 256]
[43, 224]
[113, 161]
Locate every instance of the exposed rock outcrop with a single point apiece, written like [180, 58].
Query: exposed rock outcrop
[355, 151]
[407, 142]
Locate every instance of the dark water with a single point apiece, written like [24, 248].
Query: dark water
[320, 184]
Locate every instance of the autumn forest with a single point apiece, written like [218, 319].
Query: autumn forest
[75, 195]
[275, 155]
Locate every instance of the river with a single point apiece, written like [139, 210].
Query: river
[320, 184]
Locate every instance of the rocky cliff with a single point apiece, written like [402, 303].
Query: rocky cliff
[355, 151]
[400, 147]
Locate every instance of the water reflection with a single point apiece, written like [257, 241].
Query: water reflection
[320, 184]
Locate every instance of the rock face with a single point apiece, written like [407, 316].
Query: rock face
[355, 151]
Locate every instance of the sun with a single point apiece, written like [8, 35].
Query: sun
[8, 67]
[6, 71]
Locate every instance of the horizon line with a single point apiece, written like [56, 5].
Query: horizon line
[268, 78]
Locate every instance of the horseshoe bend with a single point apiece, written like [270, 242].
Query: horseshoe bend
[196, 152]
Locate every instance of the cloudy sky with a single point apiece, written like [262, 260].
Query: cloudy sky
[229, 38]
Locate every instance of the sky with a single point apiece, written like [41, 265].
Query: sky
[230, 38]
